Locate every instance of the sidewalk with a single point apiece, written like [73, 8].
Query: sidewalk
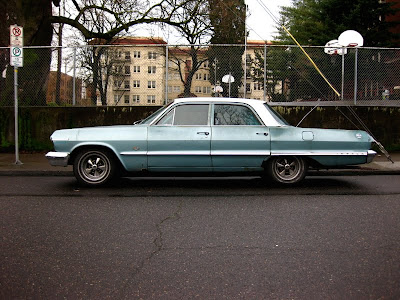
[35, 164]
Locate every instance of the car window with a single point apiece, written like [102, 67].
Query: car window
[229, 114]
[189, 114]
[154, 115]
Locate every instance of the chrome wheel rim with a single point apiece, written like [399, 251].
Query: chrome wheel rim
[94, 166]
[287, 168]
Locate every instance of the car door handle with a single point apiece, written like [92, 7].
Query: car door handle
[204, 132]
[262, 133]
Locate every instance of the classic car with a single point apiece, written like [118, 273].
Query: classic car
[208, 135]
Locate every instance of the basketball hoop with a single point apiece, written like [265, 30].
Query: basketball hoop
[353, 45]
[334, 48]
[351, 38]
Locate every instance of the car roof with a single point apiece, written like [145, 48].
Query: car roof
[218, 99]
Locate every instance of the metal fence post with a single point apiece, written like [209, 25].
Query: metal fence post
[342, 91]
[74, 79]
[355, 76]
[265, 73]
[166, 74]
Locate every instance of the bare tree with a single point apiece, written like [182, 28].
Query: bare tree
[102, 19]
[194, 26]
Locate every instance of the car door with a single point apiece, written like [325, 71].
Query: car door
[240, 141]
[181, 140]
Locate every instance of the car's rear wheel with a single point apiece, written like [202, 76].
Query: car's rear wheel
[93, 167]
[287, 169]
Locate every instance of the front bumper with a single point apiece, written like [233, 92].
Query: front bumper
[370, 156]
[58, 158]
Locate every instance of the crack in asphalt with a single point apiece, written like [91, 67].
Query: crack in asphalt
[158, 243]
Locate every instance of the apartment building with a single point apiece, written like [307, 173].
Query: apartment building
[139, 75]
[138, 72]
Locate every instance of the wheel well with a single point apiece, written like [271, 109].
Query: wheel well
[310, 162]
[77, 150]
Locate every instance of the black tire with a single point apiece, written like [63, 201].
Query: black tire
[287, 169]
[94, 167]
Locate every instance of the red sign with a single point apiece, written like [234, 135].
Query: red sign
[16, 36]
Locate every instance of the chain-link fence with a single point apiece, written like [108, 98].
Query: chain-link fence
[132, 73]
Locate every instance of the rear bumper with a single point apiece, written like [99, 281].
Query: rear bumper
[58, 158]
[370, 156]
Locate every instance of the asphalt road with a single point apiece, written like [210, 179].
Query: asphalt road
[206, 238]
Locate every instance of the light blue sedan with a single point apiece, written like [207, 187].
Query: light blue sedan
[208, 135]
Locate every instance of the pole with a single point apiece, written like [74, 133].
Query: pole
[229, 84]
[74, 80]
[341, 95]
[166, 74]
[310, 59]
[245, 56]
[265, 73]
[17, 161]
[355, 76]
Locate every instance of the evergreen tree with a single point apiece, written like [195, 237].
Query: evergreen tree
[228, 22]
[315, 22]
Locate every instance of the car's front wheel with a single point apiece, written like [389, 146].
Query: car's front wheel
[287, 169]
[93, 167]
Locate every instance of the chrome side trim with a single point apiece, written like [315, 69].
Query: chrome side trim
[128, 153]
[370, 156]
[322, 153]
[188, 152]
[240, 152]
[58, 158]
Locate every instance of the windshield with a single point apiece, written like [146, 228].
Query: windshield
[276, 116]
[154, 115]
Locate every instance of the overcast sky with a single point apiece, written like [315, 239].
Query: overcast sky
[260, 25]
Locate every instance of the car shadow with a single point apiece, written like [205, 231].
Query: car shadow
[222, 186]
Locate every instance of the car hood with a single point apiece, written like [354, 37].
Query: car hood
[95, 133]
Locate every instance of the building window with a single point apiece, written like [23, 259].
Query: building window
[136, 83]
[258, 86]
[136, 69]
[127, 70]
[152, 55]
[206, 76]
[151, 99]
[126, 99]
[151, 84]
[136, 54]
[118, 69]
[127, 84]
[174, 89]
[173, 76]
[127, 55]
[206, 64]
[206, 90]
[117, 83]
[116, 98]
[136, 99]
[151, 69]
[197, 89]
[248, 87]
[198, 76]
